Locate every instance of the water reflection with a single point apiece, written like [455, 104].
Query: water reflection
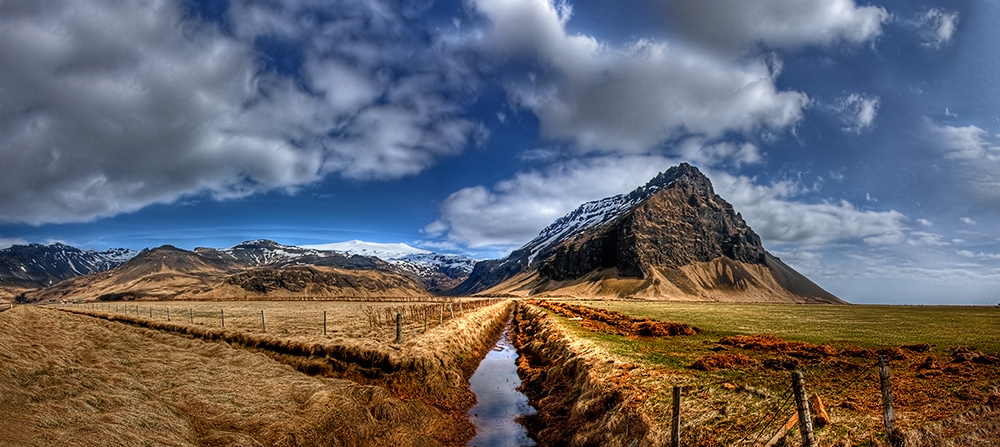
[495, 383]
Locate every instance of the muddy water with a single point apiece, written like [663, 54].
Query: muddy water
[499, 404]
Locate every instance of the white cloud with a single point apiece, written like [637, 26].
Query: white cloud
[109, 107]
[937, 27]
[633, 97]
[776, 24]
[967, 221]
[513, 211]
[923, 238]
[7, 242]
[925, 222]
[698, 152]
[966, 143]
[978, 255]
[773, 212]
[858, 112]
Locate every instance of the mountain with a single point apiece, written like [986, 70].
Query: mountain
[673, 238]
[32, 266]
[252, 270]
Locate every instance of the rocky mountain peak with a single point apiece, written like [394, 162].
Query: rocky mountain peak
[661, 232]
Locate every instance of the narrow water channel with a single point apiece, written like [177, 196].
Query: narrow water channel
[499, 404]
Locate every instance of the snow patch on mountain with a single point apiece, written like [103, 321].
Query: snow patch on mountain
[386, 252]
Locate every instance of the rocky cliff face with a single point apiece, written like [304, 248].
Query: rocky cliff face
[673, 230]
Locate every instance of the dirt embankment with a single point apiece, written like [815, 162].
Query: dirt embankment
[433, 368]
[578, 400]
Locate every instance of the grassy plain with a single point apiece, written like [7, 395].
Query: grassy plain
[862, 325]
[299, 319]
[76, 380]
[739, 404]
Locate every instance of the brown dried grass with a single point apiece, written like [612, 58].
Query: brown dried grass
[74, 380]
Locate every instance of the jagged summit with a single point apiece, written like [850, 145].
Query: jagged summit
[671, 238]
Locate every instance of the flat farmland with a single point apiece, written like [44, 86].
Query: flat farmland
[296, 319]
[736, 369]
[866, 326]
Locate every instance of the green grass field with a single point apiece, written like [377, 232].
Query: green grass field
[865, 326]
[931, 385]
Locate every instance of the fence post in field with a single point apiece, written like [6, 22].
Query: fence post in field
[452, 310]
[675, 420]
[168, 314]
[222, 313]
[324, 322]
[887, 414]
[263, 327]
[802, 405]
[460, 311]
[150, 311]
[425, 318]
[442, 315]
[190, 315]
[399, 328]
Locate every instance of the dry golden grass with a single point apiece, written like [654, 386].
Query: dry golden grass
[80, 380]
[76, 380]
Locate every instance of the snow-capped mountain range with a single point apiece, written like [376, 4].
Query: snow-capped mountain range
[36, 265]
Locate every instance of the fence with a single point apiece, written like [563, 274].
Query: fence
[349, 318]
[807, 411]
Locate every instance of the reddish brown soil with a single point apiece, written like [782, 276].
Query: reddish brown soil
[723, 361]
[771, 343]
[611, 322]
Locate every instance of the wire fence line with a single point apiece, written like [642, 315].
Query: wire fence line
[346, 318]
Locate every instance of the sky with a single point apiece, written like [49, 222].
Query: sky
[861, 141]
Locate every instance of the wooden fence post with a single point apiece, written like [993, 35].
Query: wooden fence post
[460, 311]
[887, 414]
[425, 318]
[168, 314]
[442, 315]
[263, 327]
[324, 322]
[802, 405]
[222, 313]
[452, 310]
[399, 328]
[675, 421]
[150, 312]
[191, 315]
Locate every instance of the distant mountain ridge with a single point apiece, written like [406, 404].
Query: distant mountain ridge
[37, 265]
[673, 238]
[259, 266]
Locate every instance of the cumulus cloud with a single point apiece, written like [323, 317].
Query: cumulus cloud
[513, 211]
[774, 212]
[858, 112]
[109, 107]
[697, 151]
[937, 27]
[776, 24]
[633, 97]
[967, 221]
[964, 143]
[978, 255]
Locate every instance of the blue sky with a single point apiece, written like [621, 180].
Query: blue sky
[860, 140]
